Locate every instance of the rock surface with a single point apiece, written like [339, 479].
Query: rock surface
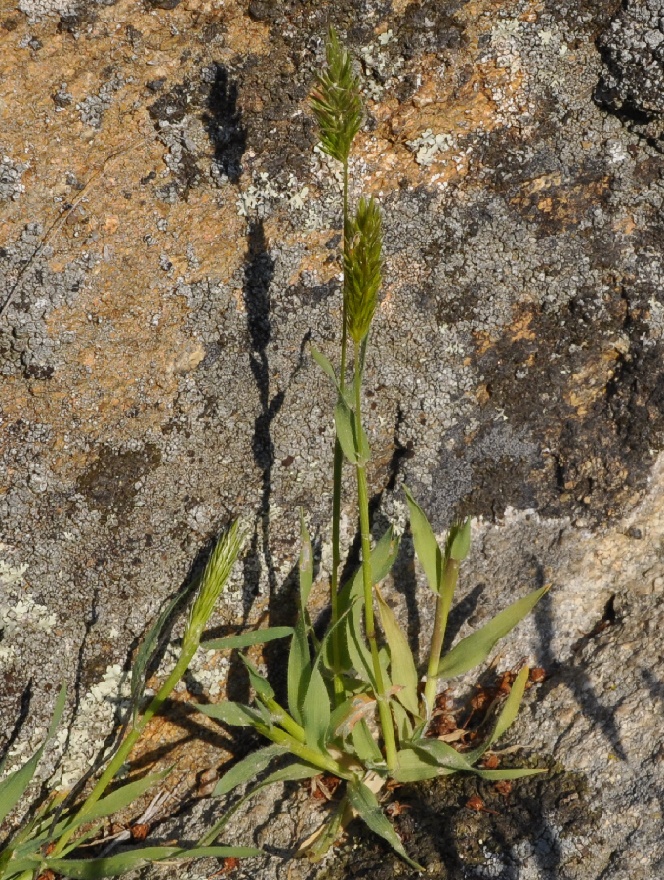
[168, 236]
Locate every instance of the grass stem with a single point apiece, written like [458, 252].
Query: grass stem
[443, 603]
[337, 475]
[384, 713]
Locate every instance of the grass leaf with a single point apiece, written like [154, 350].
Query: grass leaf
[121, 863]
[325, 365]
[516, 773]
[365, 804]
[316, 708]
[258, 682]
[416, 767]
[117, 800]
[507, 715]
[316, 846]
[291, 773]
[426, 547]
[358, 652]
[299, 659]
[458, 540]
[443, 754]
[248, 768]
[382, 560]
[231, 713]
[343, 419]
[365, 746]
[403, 669]
[402, 721]
[299, 669]
[306, 565]
[13, 787]
[474, 649]
[245, 640]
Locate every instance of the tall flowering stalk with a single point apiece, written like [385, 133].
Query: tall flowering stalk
[337, 106]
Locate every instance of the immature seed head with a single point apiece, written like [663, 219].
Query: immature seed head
[362, 267]
[214, 579]
[336, 102]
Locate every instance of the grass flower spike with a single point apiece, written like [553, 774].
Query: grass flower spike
[214, 579]
[336, 103]
[362, 268]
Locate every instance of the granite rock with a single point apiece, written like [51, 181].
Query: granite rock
[168, 234]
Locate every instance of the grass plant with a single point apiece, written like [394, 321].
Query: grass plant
[358, 706]
[45, 845]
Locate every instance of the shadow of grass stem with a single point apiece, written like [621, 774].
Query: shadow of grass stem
[384, 713]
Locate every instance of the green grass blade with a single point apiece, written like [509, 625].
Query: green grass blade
[231, 713]
[329, 832]
[443, 754]
[403, 669]
[258, 682]
[13, 787]
[414, 767]
[510, 710]
[359, 656]
[507, 715]
[340, 716]
[114, 866]
[246, 640]
[458, 540]
[299, 669]
[402, 721]
[365, 804]
[248, 768]
[325, 365]
[6, 855]
[474, 649]
[516, 773]
[150, 643]
[316, 709]
[316, 705]
[344, 421]
[114, 802]
[365, 746]
[299, 659]
[306, 565]
[426, 547]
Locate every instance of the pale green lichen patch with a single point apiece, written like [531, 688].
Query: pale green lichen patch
[19, 612]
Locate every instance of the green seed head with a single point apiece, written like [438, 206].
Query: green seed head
[336, 102]
[362, 267]
[213, 581]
